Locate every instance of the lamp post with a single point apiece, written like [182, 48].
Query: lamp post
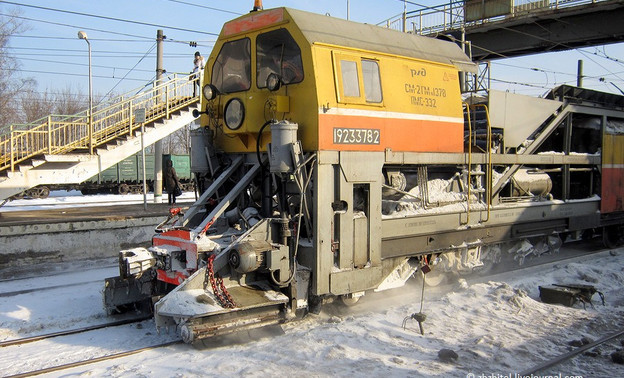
[83, 35]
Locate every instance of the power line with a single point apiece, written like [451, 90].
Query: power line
[603, 67]
[67, 74]
[70, 50]
[206, 7]
[108, 18]
[85, 65]
[123, 78]
[74, 26]
[73, 38]
[128, 55]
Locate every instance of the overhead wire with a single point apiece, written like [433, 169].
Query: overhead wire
[74, 38]
[66, 74]
[85, 65]
[205, 7]
[123, 78]
[74, 26]
[108, 18]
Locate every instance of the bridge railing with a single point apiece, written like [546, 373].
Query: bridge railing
[58, 134]
[456, 14]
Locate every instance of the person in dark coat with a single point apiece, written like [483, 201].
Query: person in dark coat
[171, 181]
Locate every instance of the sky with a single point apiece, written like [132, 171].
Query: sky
[123, 44]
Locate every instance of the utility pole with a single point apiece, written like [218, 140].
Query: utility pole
[158, 146]
[347, 9]
[579, 74]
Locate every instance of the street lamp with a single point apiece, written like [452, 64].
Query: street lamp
[83, 35]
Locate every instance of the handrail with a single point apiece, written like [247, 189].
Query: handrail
[467, 106]
[452, 15]
[58, 134]
[490, 169]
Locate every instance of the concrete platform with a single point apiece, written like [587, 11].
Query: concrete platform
[79, 233]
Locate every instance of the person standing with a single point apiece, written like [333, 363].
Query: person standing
[171, 182]
[198, 69]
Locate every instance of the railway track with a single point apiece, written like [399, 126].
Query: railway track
[564, 357]
[26, 340]
[36, 289]
[92, 360]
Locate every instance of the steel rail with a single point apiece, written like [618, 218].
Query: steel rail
[26, 340]
[54, 274]
[92, 360]
[567, 356]
[34, 289]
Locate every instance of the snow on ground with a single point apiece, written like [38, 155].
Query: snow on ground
[62, 199]
[496, 325]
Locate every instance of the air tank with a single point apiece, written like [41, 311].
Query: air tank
[531, 182]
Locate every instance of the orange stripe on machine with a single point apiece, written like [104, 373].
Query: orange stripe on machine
[376, 131]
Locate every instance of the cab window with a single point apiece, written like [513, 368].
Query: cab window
[350, 78]
[358, 80]
[372, 82]
[277, 52]
[231, 71]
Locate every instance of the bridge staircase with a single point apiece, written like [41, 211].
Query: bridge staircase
[68, 149]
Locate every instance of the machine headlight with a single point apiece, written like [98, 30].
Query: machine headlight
[273, 82]
[209, 91]
[234, 114]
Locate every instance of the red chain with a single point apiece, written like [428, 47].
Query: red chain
[218, 287]
[207, 226]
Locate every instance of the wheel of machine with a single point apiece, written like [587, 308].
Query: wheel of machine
[43, 192]
[349, 300]
[435, 277]
[612, 236]
[123, 189]
[187, 334]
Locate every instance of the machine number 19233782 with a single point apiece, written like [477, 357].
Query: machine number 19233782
[344, 135]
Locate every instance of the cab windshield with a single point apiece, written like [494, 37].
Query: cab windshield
[277, 52]
[231, 71]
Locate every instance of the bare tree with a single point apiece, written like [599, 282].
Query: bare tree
[10, 84]
[182, 140]
[69, 103]
[35, 105]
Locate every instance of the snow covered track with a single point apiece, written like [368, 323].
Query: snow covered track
[26, 291]
[90, 361]
[571, 354]
[26, 340]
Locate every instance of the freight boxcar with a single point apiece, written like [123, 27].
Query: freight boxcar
[123, 178]
[127, 175]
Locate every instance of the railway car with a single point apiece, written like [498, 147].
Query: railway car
[122, 178]
[342, 158]
[127, 175]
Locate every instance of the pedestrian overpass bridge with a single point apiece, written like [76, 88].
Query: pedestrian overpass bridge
[506, 28]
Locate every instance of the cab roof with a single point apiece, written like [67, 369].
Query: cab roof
[320, 29]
